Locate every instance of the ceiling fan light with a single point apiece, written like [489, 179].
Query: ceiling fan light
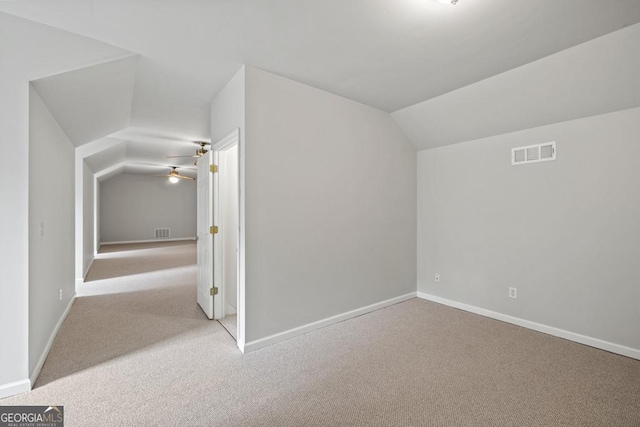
[173, 179]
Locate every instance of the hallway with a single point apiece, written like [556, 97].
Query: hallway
[138, 299]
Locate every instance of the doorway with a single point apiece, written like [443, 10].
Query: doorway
[226, 256]
[221, 235]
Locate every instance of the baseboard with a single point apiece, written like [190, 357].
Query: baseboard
[14, 388]
[54, 333]
[557, 332]
[272, 339]
[125, 242]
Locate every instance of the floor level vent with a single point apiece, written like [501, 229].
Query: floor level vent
[533, 153]
[161, 233]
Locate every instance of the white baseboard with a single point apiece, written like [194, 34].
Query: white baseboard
[54, 333]
[14, 388]
[272, 339]
[557, 332]
[126, 242]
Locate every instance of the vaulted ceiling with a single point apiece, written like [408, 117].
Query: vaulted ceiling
[420, 59]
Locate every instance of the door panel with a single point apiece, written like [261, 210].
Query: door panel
[205, 238]
[218, 301]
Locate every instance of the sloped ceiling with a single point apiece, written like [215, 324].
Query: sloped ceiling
[107, 157]
[416, 56]
[91, 102]
[93, 105]
[597, 77]
[138, 151]
[110, 172]
[386, 53]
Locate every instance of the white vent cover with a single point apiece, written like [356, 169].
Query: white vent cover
[161, 233]
[533, 153]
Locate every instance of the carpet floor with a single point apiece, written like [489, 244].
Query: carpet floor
[136, 350]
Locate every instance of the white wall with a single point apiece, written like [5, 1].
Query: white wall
[51, 227]
[88, 217]
[227, 108]
[565, 233]
[330, 206]
[28, 51]
[132, 206]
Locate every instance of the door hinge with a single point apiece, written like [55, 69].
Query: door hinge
[213, 291]
[213, 229]
[213, 168]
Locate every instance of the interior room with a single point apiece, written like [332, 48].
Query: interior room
[413, 212]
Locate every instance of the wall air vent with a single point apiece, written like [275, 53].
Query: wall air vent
[533, 153]
[161, 233]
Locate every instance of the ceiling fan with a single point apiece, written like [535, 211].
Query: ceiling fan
[174, 176]
[199, 152]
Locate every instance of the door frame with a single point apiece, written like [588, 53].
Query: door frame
[228, 141]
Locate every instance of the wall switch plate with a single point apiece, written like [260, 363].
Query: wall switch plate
[513, 293]
[437, 278]
[60, 294]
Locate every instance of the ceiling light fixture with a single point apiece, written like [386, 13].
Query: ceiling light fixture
[451, 2]
[173, 179]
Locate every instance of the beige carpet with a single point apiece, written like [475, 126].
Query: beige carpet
[140, 353]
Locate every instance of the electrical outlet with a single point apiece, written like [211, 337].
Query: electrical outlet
[437, 278]
[60, 294]
[513, 293]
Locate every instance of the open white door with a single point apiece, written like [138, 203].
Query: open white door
[218, 300]
[205, 185]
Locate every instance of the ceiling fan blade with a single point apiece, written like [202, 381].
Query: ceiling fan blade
[164, 176]
[185, 177]
[179, 157]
